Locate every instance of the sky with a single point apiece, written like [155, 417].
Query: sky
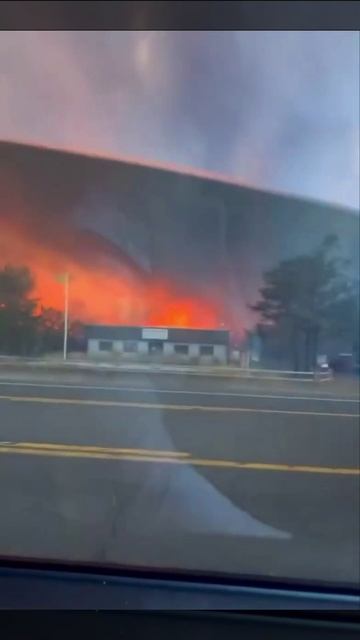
[275, 110]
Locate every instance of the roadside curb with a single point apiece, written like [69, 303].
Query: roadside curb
[90, 373]
[153, 368]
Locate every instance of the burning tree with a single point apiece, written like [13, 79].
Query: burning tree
[306, 297]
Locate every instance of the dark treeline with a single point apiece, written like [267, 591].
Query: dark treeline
[26, 328]
[309, 305]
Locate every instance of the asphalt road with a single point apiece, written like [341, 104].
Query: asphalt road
[168, 472]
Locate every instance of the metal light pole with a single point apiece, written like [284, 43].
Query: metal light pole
[64, 279]
[66, 312]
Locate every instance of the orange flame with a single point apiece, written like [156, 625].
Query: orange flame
[98, 292]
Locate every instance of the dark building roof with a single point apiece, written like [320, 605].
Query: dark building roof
[178, 335]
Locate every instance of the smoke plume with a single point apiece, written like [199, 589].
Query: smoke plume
[276, 110]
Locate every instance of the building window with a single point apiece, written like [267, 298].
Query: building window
[130, 346]
[156, 346]
[206, 350]
[181, 349]
[105, 345]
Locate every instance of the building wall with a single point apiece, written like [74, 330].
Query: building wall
[93, 346]
[143, 346]
[118, 346]
[168, 349]
[219, 351]
[194, 350]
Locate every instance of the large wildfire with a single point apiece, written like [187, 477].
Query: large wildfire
[47, 226]
[104, 287]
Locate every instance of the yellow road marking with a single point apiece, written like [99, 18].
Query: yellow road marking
[92, 449]
[77, 451]
[62, 453]
[263, 466]
[171, 407]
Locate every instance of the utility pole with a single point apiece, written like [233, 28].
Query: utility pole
[63, 278]
[66, 312]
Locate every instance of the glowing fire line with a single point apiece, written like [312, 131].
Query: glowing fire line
[102, 294]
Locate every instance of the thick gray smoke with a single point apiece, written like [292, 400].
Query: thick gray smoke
[277, 110]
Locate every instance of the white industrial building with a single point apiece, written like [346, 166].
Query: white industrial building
[175, 344]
